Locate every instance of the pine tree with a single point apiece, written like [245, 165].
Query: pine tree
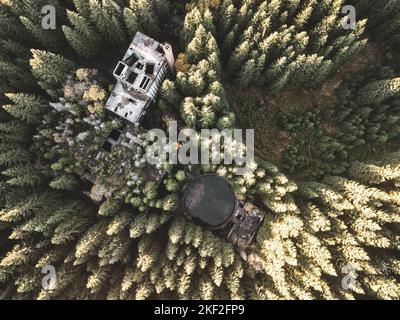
[45, 37]
[109, 208]
[82, 37]
[49, 68]
[83, 7]
[310, 70]
[26, 107]
[25, 175]
[143, 13]
[107, 17]
[14, 155]
[8, 22]
[13, 49]
[65, 182]
[192, 20]
[15, 76]
[131, 21]
[379, 91]
[14, 132]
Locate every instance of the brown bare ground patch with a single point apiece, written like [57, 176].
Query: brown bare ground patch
[270, 141]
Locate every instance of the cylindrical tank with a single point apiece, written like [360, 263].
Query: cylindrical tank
[210, 201]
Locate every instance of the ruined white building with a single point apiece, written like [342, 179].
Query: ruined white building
[139, 74]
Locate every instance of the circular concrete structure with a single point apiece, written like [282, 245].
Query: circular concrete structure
[210, 201]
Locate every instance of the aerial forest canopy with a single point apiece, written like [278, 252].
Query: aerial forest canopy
[324, 102]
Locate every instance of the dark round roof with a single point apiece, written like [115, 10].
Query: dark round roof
[209, 200]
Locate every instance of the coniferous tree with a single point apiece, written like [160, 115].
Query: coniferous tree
[49, 68]
[30, 15]
[379, 91]
[106, 15]
[82, 37]
[15, 76]
[26, 107]
[65, 182]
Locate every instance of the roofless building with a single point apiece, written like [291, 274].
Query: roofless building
[139, 77]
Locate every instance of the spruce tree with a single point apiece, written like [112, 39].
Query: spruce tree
[44, 37]
[107, 17]
[379, 91]
[26, 107]
[49, 68]
[65, 182]
[82, 37]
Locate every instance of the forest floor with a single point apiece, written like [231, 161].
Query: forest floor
[255, 109]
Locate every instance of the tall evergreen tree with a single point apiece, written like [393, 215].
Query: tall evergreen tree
[82, 36]
[107, 17]
[26, 107]
[49, 68]
[379, 91]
